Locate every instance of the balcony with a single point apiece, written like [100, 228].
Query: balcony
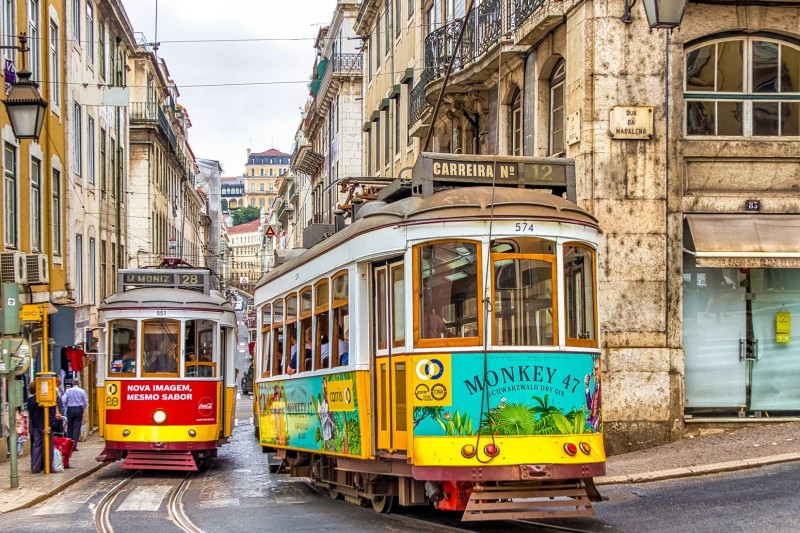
[307, 161]
[151, 112]
[488, 22]
[340, 66]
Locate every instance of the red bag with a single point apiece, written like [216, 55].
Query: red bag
[65, 446]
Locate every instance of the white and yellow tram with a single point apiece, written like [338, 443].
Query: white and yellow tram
[443, 348]
[166, 385]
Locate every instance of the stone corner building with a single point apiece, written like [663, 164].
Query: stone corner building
[685, 148]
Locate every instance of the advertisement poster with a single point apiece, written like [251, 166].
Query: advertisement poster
[185, 402]
[315, 413]
[506, 394]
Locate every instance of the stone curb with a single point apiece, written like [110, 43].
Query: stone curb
[730, 466]
[55, 490]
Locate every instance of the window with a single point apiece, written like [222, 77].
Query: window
[161, 344]
[55, 68]
[524, 296]
[516, 123]
[398, 14]
[579, 297]
[76, 20]
[446, 287]
[387, 138]
[340, 340]
[89, 31]
[387, 17]
[747, 86]
[92, 271]
[79, 268]
[557, 116]
[78, 131]
[34, 41]
[261, 187]
[124, 351]
[322, 324]
[103, 273]
[90, 150]
[397, 125]
[101, 50]
[411, 8]
[36, 204]
[113, 184]
[9, 37]
[377, 147]
[368, 59]
[10, 205]
[369, 151]
[377, 44]
[398, 307]
[103, 162]
[56, 207]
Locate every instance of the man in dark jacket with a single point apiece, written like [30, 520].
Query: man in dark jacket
[36, 430]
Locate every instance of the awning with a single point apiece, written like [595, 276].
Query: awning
[746, 240]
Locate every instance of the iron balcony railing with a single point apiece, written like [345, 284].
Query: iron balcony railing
[487, 23]
[341, 65]
[153, 112]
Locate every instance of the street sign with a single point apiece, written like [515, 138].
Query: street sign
[172, 243]
[31, 312]
[272, 230]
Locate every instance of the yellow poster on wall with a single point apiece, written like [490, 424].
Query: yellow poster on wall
[783, 326]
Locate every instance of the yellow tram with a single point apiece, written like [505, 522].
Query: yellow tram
[443, 348]
[166, 384]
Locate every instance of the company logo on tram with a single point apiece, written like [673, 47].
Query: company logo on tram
[205, 406]
[429, 369]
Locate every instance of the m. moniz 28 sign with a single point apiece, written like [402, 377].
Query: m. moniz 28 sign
[182, 279]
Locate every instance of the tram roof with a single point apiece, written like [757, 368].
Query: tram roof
[160, 297]
[458, 203]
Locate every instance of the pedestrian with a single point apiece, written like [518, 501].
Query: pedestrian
[37, 430]
[59, 427]
[76, 401]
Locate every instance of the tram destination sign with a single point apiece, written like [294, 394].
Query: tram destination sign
[183, 279]
[433, 171]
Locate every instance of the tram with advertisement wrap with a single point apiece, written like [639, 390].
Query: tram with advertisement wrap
[443, 348]
[166, 380]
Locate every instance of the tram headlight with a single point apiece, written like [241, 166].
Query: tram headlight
[126, 432]
[192, 433]
[159, 416]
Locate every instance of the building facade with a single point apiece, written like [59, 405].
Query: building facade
[245, 255]
[263, 172]
[683, 146]
[232, 193]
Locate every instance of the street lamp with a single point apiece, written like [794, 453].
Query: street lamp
[664, 13]
[26, 107]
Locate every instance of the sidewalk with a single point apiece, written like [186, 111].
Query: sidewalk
[33, 488]
[701, 452]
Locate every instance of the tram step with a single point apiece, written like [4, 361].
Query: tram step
[159, 461]
[517, 502]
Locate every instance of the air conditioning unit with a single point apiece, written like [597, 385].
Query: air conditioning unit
[13, 266]
[38, 269]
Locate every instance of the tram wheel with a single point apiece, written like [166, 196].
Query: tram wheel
[382, 504]
[334, 494]
[273, 469]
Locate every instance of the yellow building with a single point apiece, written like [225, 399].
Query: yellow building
[262, 172]
[33, 224]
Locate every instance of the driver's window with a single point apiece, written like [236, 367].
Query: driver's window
[162, 338]
[124, 349]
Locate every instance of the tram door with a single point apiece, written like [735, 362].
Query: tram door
[390, 361]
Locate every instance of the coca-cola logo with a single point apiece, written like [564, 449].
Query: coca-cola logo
[205, 406]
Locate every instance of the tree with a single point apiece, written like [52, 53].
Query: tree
[246, 214]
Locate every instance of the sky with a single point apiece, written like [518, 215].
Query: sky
[252, 110]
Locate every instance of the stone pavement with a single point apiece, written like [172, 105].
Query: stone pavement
[719, 449]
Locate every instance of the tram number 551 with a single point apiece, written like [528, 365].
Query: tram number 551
[523, 227]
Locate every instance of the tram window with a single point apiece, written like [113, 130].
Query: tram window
[341, 331]
[321, 295]
[200, 357]
[290, 355]
[523, 309]
[305, 302]
[266, 330]
[161, 346]
[447, 283]
[122, 355]
[398, 306]
[579, 287]
[321, 324]
[380, 309]
[277, 338]
[304, 344]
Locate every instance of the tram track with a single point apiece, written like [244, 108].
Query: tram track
[176, 512]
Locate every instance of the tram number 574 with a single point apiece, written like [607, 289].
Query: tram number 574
[523, 227]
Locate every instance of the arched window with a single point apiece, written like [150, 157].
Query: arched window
[557, 114]
[516, 123]
[743, 87]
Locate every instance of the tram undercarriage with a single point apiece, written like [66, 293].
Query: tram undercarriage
[383, 484]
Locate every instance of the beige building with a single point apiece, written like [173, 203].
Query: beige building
[245, 255]
[684, 146]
